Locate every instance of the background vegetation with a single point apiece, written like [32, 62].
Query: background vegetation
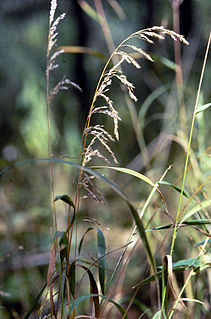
[154, 134]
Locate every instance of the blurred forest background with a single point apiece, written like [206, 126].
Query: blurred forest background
[25, 215]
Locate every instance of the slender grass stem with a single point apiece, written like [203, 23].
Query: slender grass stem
[48, 104]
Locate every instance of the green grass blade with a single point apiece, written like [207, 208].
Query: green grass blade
[178, 189]
[66, 199]
[93, 291]
[202, 108]
[129, 172]
[72, 278]
[82, 239]
[195, 209]
[153, 96]
[188, 263]
[143, 236]
[101, 246]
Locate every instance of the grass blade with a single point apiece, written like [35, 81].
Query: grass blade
[129, 172]
[195, 209]
[202, 108]
[143, 236]
[82, 239]
[174, 186]
[93, 291]
[101, 246]
[66, 199]
[72, 278]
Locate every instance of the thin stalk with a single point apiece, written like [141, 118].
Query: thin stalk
[189, 146]
[48, 113]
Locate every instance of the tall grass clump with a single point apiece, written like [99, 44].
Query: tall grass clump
[79, 285]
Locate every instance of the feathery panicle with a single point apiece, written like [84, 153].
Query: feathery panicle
[51, 64]
[92, 192]
[142, 52]
[53, 33]
[64, 83]
[99, 133]
[52, 11]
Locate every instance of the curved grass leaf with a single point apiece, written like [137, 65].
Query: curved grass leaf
[148, 101]
[174, 186]
[101, 247]
[84, 297]
[93, 291]
[129, 172]
[143, 236]
[66, 199]
[202, 108]
[189, 263]
[82, 239]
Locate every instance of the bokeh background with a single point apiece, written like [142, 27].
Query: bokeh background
[25, 215]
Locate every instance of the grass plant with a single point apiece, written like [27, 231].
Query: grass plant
[79, 285]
